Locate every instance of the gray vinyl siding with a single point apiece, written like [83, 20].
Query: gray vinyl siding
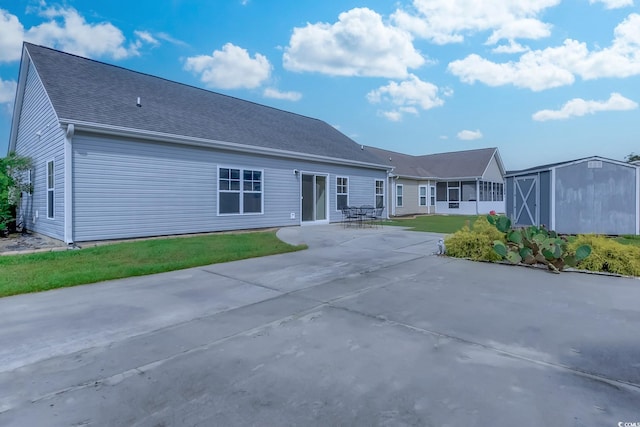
[125, 188]
[544, 182]
[493, 172]
[37, 115]
[410, 202]
[362, 188]
[596, 200]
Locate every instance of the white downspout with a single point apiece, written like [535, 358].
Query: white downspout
[638, 200]
[477, 196]
[68, 185]
[552, 220]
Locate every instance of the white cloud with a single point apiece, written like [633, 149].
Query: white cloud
[276, 94]
[535, 70]
[168, 38]
[393, 116]
[468, 135]
[146, 37]
[613, 4]
[67, 30]
[11, 35]
[359, 44]
[230, 68]
[408, 95]
[448, 21]
[7, 91]
[512, 47]
[578, 107]
[558, 66]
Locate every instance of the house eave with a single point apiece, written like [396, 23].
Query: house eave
[82, 126]
[436, 178]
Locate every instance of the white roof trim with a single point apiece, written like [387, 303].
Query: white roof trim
[81, 126]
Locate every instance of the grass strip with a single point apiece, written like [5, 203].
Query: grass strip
[51, 270]
[435, 223]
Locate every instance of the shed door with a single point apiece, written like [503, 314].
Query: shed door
[525, 200]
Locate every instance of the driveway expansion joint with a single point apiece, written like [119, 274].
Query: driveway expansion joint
[614, 382]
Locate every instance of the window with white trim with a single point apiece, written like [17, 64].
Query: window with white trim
[432, 196]
[239, 191]
[399, 195]
[379, 193]
[51, 189]
[422, 195]
[342, 192]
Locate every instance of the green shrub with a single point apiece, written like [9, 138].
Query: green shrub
[609, 256]
[475, 243]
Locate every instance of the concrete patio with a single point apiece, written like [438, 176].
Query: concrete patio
[366, 327]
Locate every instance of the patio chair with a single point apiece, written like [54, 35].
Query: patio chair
[377, 216]
[349, 216]
[366, 215]
[374, 216]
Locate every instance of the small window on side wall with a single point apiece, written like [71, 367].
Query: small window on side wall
[51, 191]
[342, 192]
[422, 195]
[379, 193]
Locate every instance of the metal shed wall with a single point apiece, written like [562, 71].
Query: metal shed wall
[596, 197]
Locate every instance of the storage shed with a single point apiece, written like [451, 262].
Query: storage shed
[589, 195]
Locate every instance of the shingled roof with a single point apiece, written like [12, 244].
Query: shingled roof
[88, 91]
[455, 164]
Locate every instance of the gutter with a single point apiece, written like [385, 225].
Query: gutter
[81, 126]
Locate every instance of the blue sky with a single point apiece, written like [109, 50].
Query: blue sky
[542, 80]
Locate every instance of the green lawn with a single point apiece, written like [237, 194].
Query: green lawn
[435, 223]
[51, 270]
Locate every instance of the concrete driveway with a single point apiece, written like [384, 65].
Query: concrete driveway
[367, 327]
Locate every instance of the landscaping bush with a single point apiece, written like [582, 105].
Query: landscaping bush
[609, 256]
[475, 243]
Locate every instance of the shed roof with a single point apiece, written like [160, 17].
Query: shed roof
[455, 164]
[549, 166]
[89, 91]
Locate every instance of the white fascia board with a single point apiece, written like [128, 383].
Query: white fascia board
[25, 63]
[17, 104]
[81, 126]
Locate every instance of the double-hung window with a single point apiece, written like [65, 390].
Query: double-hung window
[342, 192]
[422, 195]
[239, 191]
[379, 193]
[399, 195]
[51, 189]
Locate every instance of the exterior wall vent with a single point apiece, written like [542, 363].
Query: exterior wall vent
[595, 164]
